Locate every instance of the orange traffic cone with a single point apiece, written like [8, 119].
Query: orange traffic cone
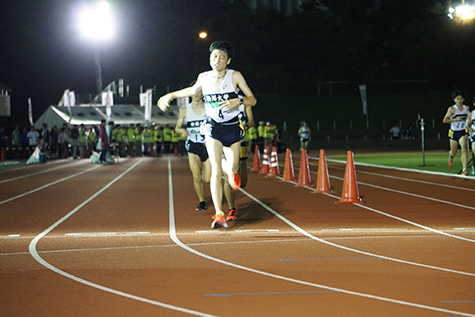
[2, 155]
[265, 162]
[323, 180]
[175, 149]
[304, 172]
[274, 164]
[288, 167]
[257, 160]
[350, 188]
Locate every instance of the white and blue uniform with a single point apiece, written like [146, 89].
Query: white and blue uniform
[304, 134]
[458, 128]
[472, 124]
[193, 123]
[225, 125]
[195, 140]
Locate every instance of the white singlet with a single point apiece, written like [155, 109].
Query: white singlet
[213, 96]
[459, 125]
[193, 123]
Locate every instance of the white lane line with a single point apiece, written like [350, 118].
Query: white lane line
[174, 237]
[394, 191]
[102, 234]
[39, 259]
[34, 174]
[47, 185]
[404, 170]
[395, 217]
[291, 224]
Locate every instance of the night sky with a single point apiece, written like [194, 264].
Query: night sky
[42, 51]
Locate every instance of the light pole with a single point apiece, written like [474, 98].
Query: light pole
[97, 25]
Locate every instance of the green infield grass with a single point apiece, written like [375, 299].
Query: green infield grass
[431, 161]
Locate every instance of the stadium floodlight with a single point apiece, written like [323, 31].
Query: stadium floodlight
[203, 35]
[462, 13]
[97, 25]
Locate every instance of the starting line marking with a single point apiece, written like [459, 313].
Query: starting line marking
[102, 234]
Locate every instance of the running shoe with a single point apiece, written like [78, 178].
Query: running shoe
[464, 172]
[450, 162]
[231, 215]
[201, 206]
[234, 181]
[473, 170]
[219, 221]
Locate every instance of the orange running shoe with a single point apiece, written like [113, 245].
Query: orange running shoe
[234, 181]
[464, 172]
[450, 162]
[219, 221]
[231, 215]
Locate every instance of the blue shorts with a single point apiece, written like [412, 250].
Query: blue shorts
[198, 149]
[456, 135]
[228, 132]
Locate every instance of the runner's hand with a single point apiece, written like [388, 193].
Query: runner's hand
[164, 102]
[229, 104]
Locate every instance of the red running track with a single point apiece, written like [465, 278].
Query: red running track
[78, 239]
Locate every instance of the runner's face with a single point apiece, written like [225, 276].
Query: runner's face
[219, 60]
[459, 100]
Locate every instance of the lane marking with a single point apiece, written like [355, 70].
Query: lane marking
[34, 174]
[100, 234]
[39, 259]
[395, 217]
[47, 185]
[305, 233]
[326, 259]
[270, 293]
[174, 237]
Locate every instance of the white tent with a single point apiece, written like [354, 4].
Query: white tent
[88, 114]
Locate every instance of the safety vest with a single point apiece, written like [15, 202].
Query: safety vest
[82, 136]
[138, 134]
[92, 136]
[261, 130]
[175, 137]
[252, 131]
[157, 136]
[131, 134]
[269, 133]
[115, 135]
[121, 135]
[167, 135]
[147, 136]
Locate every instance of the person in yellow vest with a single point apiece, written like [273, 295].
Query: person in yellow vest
[158, 139]
[147, 140]
[268, 134]
[138, 140]
[251, 133]
[91, 139]
[121, 139]
[82, 140]
[261, 131]
[131, 139]
[175, 139]
[167, 139]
